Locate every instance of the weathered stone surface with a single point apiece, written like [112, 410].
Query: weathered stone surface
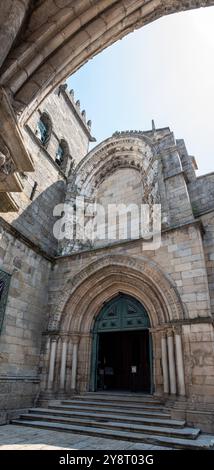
[35, 215]
[63, 37]
[57, 290]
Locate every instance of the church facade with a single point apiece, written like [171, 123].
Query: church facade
[122, 311]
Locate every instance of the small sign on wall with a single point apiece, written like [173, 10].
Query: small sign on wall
[134, 369]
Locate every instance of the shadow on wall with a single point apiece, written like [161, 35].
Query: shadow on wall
[37, 220]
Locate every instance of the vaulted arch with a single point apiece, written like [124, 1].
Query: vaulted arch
[61, 36]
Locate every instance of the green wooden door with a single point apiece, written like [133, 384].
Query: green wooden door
[123, 313]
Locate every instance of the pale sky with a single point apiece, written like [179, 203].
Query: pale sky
[165, 72]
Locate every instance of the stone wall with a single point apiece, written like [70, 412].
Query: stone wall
[44, 188]
[122, 187]
[208, 246]
[198, 344]
[34, 218]
[24, 321]
[134, 167]
[201, 193]
[68, 123]
[181, 258]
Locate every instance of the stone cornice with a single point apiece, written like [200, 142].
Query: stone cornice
[22, 378]
[164, 327]
[196, 222]
[52, 258]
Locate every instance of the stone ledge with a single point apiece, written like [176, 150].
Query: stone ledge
[104, 248]
[14, 378]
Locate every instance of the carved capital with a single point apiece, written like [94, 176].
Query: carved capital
[169, 332]
[163, 333]
[75, 339]
[177, 330]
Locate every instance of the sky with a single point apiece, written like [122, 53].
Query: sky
[165, 72]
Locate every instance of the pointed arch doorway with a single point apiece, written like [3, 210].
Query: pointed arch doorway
[122, 347]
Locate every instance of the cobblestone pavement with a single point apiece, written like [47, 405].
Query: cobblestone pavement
[23, 438]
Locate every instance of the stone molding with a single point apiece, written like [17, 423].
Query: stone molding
[146, 271]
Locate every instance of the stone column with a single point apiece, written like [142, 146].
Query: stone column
[179, 363]
[165, 363]
[52, 363]
[75, 341]
[171, 356]
[63, 363]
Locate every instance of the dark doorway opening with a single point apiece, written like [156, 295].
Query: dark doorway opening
[124, 361]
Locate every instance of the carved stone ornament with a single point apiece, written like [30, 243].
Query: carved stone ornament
[7, 166]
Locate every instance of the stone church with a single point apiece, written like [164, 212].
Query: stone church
[119, 316]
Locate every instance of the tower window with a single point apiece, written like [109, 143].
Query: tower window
[60, 155]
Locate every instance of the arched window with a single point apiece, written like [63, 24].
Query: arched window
[44, 129]
[62, 154]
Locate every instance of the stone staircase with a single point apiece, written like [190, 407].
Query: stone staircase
[131, 417]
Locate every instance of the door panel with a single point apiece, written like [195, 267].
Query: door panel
[124, 361]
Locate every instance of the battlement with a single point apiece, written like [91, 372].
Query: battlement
[139, 133]
[76, 109]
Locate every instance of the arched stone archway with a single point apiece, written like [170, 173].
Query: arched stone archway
[119, 151]
[62, 36]
[84, 295]
[45, 42]
[131, 156]
[87, 291]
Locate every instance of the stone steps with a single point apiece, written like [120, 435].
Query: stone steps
[149, 420]
[121, 398]
[177, 443]
[108, 423]
[124, 417]
[115, 410]
[105, 403]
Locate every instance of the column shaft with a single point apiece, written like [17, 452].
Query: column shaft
[165, 364]
[74, 366]
[52, 364]
[63, 364]
[180, 365]
[172, 374]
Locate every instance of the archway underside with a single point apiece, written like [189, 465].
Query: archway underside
[61, 36]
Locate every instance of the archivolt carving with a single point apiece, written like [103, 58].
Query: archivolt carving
[83, 294]
[122, 152]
